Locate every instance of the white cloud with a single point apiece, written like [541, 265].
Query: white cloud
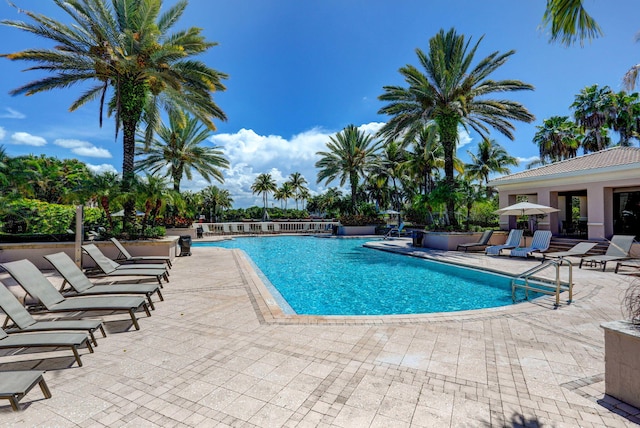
[83, 148]
[371, 128]
[464, 138]
[251, 154]
[527, 160]
[99, 169]
[25, 139]
[12, 114]
[3, 133]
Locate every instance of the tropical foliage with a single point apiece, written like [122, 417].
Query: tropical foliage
[349, 155]
[178, 149]
[124, 49]
[451, 93]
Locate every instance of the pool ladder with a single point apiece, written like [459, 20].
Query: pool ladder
[527, 282]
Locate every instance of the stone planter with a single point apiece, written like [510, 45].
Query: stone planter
[356, 230]
[622, 361]
[450, 240]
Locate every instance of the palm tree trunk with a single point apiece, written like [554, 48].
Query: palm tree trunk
[128, 175]
[448, 126]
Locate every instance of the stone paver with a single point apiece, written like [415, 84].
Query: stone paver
[219, 352]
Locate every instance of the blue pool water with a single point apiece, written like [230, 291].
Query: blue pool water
[319, 276]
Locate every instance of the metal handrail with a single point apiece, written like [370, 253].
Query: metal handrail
[540, 287]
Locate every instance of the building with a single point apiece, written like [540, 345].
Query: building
[598, 194]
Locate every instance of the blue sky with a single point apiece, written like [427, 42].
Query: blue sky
[300, 71]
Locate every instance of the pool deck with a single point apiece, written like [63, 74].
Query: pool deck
[218, 352]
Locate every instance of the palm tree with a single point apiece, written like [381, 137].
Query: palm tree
[297, 182]
[264, 184]
[627, 117]
[178, 148]
[392, 165]
[570, 22]
[491, 157]
[558, 138]
[285, 192]
[104, 189]
[426, 158]
[125, 48]
[451, 93]
[593, 110]
[350, 153]
[214, 198]
[4, 169]
[151, 192]
[304, 196]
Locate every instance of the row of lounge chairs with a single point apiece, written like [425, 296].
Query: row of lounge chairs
[21, 330]
[618, 249]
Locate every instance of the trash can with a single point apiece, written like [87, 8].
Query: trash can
[185, 245]
[199, 232]
[417, 237]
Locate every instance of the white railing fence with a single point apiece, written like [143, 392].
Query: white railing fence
[266, 227]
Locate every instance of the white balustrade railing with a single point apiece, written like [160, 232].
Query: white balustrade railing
[266, 227]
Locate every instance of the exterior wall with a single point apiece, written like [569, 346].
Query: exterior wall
[599, 206]
[35, 252]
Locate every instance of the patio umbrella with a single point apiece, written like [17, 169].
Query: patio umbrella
[526, 208]
[121, 213]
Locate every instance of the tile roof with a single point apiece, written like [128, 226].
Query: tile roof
[608, 158]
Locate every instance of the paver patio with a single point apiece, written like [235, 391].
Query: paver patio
[218, 352]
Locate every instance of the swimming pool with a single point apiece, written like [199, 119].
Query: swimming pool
[320, 276]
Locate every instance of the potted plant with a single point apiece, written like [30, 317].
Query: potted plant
[622, 350]
[358, 224]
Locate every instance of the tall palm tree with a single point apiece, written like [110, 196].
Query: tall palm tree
[594, 109]
[285, 192]
[297, 182]
[451, 93]
[490, 158]
[350, 153]
[558, 138]
[125, 47]
[178, 147]
[264, 184]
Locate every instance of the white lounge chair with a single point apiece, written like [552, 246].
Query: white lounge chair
[539, 244]
[579, 250]
[618, 249]
[513, 240]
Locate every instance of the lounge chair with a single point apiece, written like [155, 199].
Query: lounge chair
[24, 322]
[631, 263]
[618, 250]
[398, 231]
[513, 240]
[82, 286]
[46, 339]
[579, 250]
[539, 244]
[482, 243]
[38, 286]
[16, 384]
[125, 256]
[109, 268]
